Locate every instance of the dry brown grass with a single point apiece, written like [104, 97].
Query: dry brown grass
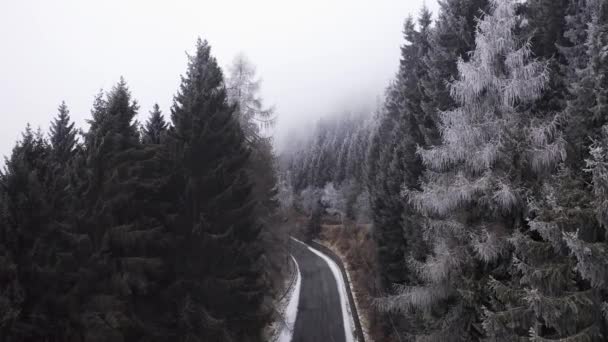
[355, 244]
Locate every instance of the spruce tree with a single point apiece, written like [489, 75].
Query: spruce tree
[472, 193]
[218, 289]
[63, 136]
[546, 19]
[393, 162]
[11, 290]
[588, 245]
[156, 127]
[452, 37]
[586, 114]
[127, 236]
[394, 166]
[29, 242]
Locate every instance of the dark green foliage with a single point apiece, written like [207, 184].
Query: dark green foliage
[222, 299]
[27, 225]
[63, 136]
[547, 22]
[128, 239]
[392, 160]
[156, 128]
[119, 177]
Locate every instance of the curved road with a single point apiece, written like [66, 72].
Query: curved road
[319, 317]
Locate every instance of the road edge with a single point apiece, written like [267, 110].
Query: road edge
[338, 261]
[285, 334]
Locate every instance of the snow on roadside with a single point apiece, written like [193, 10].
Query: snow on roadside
[291, 310]
[347, 317]
[360, 313]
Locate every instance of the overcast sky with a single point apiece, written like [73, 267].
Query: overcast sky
[314, 56]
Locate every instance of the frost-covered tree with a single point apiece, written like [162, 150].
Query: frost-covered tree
[333, 200]
[285, 196]
[452, 37]
[243, 88]
[308, 199]
[361, 208]
[335, 152]
[564, 306]
[588, 243]
[473, 195]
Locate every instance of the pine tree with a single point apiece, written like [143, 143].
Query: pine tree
[218, 289]
[155, 128]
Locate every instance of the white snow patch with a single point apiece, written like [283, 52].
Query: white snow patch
[347, 317]
[291, 312]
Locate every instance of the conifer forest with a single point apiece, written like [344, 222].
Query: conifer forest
[469, 203]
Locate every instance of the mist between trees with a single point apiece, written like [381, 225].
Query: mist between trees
[482, 179]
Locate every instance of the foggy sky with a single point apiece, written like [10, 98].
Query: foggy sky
[314, 56]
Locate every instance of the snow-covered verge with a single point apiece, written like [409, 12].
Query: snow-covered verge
[349, 324]
[353, 245]
[347, 267]
[282, 329]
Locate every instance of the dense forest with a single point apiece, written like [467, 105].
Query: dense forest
[480, 181]
[484, 174]
[153, 232]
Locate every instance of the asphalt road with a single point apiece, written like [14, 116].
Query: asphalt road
[319, 316]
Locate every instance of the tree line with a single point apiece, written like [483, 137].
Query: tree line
[162, 232]
[486, 173]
